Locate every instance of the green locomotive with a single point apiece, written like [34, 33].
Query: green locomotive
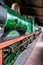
[14, 26]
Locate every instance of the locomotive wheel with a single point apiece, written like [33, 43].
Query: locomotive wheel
[26, 45]
[9, 56]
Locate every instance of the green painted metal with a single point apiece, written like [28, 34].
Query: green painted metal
[31, 26]
[12, 34]
[28, 29]
[26, 45]
[9, 58]
[16, 21]
[9, 55]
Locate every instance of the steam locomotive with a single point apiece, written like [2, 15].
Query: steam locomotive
[14, 25]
